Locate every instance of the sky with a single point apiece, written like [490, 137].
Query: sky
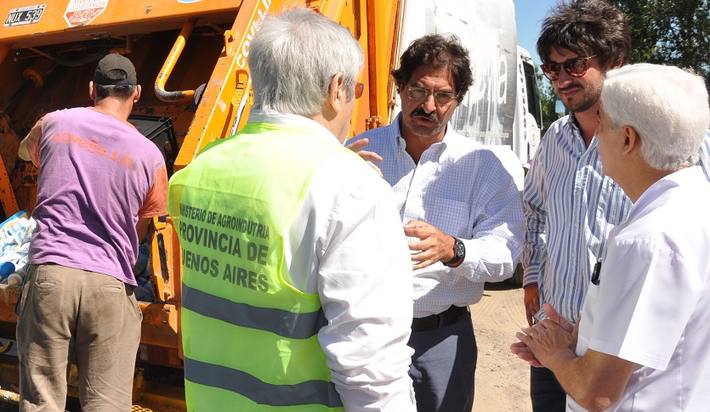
[529, 15]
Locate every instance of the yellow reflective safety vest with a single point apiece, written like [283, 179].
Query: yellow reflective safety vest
[249, 336]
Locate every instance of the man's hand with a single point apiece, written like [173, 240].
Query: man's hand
[433, 245]
[372, 158]
[548, 341]
[522, 351]
[532, 302]
[572, 328]
[555, 316]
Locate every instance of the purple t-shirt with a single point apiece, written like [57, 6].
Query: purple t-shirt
[97, 176]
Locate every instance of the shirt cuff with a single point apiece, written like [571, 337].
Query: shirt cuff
[531, 274]
[476, 270]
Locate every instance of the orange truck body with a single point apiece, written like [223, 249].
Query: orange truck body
[48, 51]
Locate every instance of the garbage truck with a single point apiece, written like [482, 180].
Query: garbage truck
[191, 58]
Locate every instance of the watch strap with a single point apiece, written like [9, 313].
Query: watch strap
[458, 257]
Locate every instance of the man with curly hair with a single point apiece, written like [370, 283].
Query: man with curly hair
[460, 209]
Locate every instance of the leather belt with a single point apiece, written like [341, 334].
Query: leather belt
[445, 318]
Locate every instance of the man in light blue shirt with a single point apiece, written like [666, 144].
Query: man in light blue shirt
[570, 205]
[461, 211]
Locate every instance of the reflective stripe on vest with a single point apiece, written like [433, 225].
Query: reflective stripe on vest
[280, 322]
[249, 336]
[306, 393]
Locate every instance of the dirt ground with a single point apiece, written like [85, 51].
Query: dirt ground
[502, 380]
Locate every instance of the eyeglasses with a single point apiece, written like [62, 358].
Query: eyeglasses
[574, 67]
[359, 88]
[421, 94]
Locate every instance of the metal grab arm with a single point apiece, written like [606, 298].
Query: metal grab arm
[167, 69]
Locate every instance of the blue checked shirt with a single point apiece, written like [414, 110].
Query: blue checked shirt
[570, 206]
[464, 190]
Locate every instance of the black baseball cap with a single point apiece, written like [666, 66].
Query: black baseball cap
[115, 70]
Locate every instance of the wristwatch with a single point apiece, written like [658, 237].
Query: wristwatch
[459, 253]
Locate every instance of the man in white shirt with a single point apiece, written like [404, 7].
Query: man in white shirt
[641, 343]
[461, 211]
[297, 287]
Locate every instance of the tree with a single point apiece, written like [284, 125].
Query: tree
[673, 32]
[547, 100]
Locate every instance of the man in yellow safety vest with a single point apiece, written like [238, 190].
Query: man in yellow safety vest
[297, 288]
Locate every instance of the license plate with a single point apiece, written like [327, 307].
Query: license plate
[24, 15]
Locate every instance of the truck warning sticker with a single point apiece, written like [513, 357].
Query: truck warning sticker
[24, 15]
[83, 12]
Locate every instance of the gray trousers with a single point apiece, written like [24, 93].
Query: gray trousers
[443, 367]
[87, 318]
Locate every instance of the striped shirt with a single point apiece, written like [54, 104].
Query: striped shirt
[465, 190]
[570, 206]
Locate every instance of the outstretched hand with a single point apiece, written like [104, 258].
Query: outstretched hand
[372, 158]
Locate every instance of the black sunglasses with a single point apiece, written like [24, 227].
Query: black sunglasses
[574, 67]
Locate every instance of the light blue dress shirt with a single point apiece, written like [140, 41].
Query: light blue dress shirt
[464, 190]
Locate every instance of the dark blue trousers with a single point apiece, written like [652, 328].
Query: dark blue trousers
[443, 367]
[546, 393]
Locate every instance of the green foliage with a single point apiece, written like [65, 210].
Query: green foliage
[673, 32]
[547, 100]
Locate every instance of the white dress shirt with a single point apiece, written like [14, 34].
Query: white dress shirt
[464, 190]
[652, 304]
[348, 247]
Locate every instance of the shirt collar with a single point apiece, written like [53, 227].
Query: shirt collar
[684, 176]
[291, 121]
[571, 128]
[571, 125]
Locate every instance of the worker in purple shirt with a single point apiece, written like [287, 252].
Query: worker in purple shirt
[100, 184]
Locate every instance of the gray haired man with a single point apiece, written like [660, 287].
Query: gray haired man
[312, 308]
[641, 343]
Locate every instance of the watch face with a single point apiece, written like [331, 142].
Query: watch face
[460, 249]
